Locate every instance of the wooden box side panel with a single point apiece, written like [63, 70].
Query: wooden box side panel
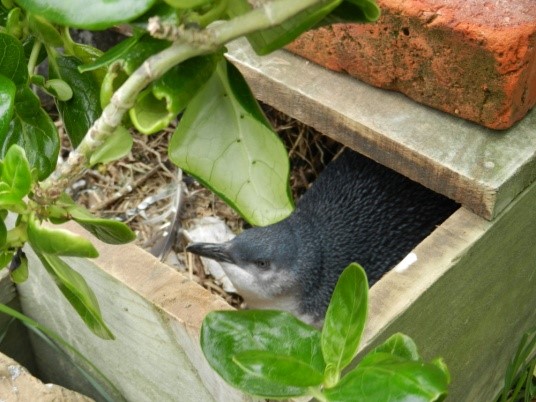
[16, 343]
[155, 314]
[479, 302]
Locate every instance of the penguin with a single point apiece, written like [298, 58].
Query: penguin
[355, 211]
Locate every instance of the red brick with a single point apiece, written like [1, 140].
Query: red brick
[472, 58]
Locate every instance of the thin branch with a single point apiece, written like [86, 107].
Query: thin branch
[215, 36]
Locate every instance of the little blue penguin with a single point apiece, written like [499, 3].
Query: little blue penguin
[355, 211]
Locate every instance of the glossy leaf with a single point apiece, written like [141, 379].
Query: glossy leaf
[79, 112]
[106, 230]
[280, 369]
[12, 60]
[20, 273]
[57, 241]
[345, 320]
[76, 290]
[271, 39]
[33, 130]
[159, 104]
[382, 377]
[94, 14]
[16, 178]
[7, 103]
[225, 335]
[229, 150]
[115, 147]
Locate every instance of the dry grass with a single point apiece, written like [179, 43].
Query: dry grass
[145, 190]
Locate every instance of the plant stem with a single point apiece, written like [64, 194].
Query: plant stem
[36, 48]
[317, 394]
[215, 36]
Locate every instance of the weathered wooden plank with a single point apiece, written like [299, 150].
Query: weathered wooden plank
[469, 297]
[155, 314]
[482, 169]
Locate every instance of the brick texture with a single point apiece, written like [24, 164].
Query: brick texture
[472, 58]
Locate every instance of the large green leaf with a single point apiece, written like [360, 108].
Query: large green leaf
[228, 149]
[7, 103]
[280, 369]
[226, 335]
[16, 178]
[158, 105]
[32, 129]
[76, 290]
[92, 14]
[56, 241]
[345, 321]
[12, 60]
[383, 377]
[83, 108]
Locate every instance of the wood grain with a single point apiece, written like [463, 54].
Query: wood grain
[482, 169]
[155, 314]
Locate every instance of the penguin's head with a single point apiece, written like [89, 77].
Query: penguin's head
[261, 263]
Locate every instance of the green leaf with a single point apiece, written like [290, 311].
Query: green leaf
[352, 11]
[44, 31]
[230, 151]
[345, 320]
[58, 89]
[280, 369]
[94, 14]
[382, 377]
[271, 39]
[55, 241]
[78, 293]
[5, 259]
[225, 335]
[106, 230]
[7, 103]
[79, 112]
[16, 178]
[111, 55]
[12, 60]
[158, 105]
[399, 345]
[33, 130]
[116, 146]
[20, 273]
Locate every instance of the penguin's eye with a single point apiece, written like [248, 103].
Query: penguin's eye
[262, 264]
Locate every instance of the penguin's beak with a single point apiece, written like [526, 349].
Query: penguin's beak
[215, 251]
